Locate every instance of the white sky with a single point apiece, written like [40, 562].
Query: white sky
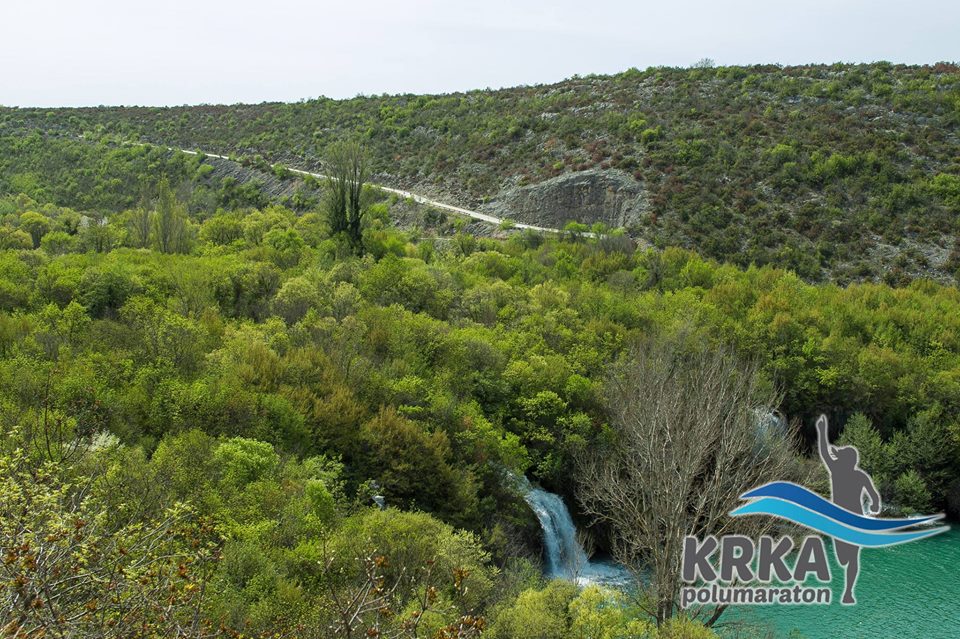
[90, 52]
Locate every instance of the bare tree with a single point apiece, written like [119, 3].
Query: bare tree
[687, 443]
[346, 169]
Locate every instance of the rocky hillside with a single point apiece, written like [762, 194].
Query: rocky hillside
[609, 196]
[838, 172]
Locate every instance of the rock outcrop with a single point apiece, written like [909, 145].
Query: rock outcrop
[609, 196]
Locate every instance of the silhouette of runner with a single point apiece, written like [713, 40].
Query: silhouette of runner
[848, 482]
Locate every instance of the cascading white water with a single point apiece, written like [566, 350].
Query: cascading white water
[565, 556]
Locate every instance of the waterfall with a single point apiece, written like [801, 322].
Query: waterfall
[565, 555]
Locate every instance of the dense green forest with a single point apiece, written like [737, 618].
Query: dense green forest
[202, 387]
[845, 172]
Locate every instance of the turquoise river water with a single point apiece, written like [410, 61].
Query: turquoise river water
[910, 591]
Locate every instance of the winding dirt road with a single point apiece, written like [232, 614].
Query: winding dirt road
[420, 199]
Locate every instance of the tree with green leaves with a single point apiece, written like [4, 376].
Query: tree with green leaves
[140, 226]
[73, 568]
[346, 169]
[169, 221]
[36, 224]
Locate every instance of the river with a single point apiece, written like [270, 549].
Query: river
[910, 591]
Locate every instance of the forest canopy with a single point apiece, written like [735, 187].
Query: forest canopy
[208, 392]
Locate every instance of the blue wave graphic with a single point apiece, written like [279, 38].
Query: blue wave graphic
[794, 493]
[817, 522]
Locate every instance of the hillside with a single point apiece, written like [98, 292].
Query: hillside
[226, 413]
[843, 172]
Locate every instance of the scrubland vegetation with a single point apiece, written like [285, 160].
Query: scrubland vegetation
[843, 172]
[202, 389]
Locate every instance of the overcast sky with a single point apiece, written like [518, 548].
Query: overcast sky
[90, 52]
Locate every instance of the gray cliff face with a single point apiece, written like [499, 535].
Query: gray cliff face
[608, 196]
